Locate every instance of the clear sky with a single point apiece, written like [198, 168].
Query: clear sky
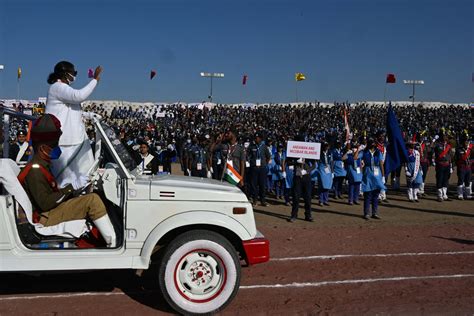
[344, 47]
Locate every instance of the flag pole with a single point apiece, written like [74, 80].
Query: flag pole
[384, 95]
[18, 90]
[296, 89]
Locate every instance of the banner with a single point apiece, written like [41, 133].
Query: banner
[306, 150]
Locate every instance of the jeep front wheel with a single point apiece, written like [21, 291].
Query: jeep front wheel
[199, 272]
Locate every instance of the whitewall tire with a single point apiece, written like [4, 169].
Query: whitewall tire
[199, 272]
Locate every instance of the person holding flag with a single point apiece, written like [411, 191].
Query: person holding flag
[234, 159]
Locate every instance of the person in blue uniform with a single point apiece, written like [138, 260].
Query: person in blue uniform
[325, 174]
[413, 172]
[372, 178]
[338, 169]
[288, 177]
[277, 172]
[353, 163]
[270, 166]
[199, 162]
[259, 157]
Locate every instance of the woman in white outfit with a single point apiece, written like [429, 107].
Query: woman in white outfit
[65, 103]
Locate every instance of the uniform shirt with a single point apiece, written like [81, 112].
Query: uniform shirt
[219, 154]
[41, 193]
[464, 157]
[438, 150]
[15, 149]
[261, 152]
[235, 153]
[64, 102]
[198, 155]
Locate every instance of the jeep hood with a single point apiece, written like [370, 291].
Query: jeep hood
[169, 187]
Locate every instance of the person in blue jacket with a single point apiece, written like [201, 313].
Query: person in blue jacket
[288, 179]
[325, 174]
[413, 172]
[372, 175]
[353, 163]
[338, 169]
[277, 172]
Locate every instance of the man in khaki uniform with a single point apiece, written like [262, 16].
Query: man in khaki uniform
[56, 205]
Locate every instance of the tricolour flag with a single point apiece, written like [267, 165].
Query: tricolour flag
[391, 78]
[396, 149]
[299, 76]
[231, 175]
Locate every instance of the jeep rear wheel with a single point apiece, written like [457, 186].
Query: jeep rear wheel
[199, 272]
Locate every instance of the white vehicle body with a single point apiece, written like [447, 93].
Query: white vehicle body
[154, 210]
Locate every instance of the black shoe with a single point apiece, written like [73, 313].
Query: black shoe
[356, 203]
[321, 204]
[326, 203]
[309, 219]
[376, 216]
[264, 204]
[287, 204]
[350, 203]
[366, 217]
[292, 219]
[417, 201]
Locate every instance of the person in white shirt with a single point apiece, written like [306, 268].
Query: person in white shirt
[64, 102]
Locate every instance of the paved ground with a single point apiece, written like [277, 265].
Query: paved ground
[419, 259]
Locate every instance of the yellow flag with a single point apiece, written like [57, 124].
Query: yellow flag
[19, 73]
[299, 76]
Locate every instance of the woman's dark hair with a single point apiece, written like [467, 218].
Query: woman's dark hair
[60, 71]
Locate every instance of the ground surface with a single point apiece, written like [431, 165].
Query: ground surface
[418, 259]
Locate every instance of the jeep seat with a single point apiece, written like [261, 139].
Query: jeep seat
[35, 231]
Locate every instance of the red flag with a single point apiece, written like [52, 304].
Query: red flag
[391, 78]
[244, 80]
[152, 74]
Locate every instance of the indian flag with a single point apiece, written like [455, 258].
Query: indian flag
[231, 175]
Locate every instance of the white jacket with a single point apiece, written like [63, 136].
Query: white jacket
[64, 102]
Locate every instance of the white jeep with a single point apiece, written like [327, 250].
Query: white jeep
[196, 232]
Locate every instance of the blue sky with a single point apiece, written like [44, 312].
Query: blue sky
[345, 48]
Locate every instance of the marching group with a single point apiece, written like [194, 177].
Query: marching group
[253, 142]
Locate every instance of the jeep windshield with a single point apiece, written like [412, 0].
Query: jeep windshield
[119, 148]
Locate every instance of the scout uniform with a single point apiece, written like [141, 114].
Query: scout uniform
[325, 177]
[413, 173]
[372, 182]
[354, 174]
[198, 161]
[259, 156]
[339, 171]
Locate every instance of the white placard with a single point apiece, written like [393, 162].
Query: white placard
[303, 150]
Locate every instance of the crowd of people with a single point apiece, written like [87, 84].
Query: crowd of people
[253, 141]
